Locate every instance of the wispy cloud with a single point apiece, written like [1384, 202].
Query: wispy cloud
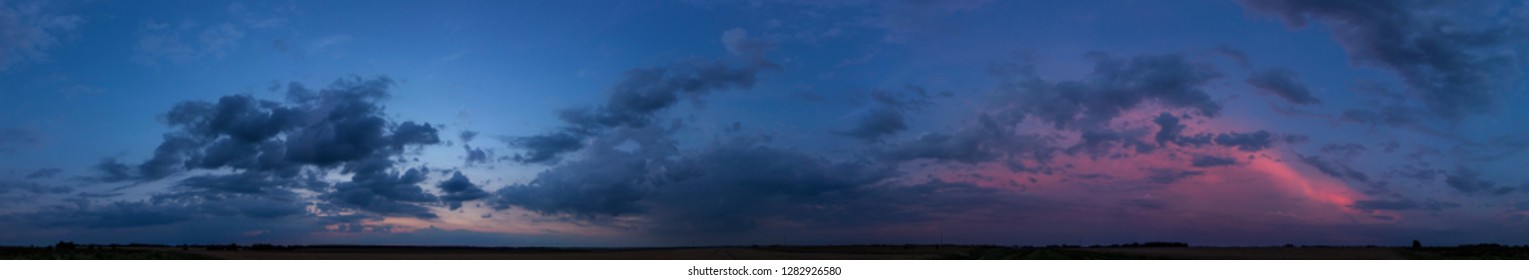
[186, 41]
[28, 31]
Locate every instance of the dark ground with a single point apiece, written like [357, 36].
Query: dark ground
[890, 252]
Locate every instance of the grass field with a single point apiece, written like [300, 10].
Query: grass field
[123, 253]
[907, 252]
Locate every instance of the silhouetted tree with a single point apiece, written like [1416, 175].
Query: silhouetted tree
[1416, 244]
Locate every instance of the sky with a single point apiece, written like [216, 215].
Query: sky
[694, 123]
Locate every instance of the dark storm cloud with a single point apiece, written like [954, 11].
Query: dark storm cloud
[268, 156]
[275, 147]
[377, 188]
[1283, 82]
[1212, 161]
[1086, 106]
[546, 148]
[1114, 86]
[476, 156]
[608, 181]
[1336, 170]
[1402, 205]
[240, 117]
[733, 186]
[353, 130]
[1196, 140]
[644, 92]
[886, 117]
[170, 155]
[911, 97]
[1169, 128]
[112, 171]
[44, 173]
[459, 189]
[410, 133]
[1099, 143]
[1247, 141]
[982, 141]
[876, 124]
[1469, 181]
[632, 103]
[340, 124]
[1459, 63]
[973, 144]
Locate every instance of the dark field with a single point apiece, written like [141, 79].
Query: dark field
[1252, 253]
[122, 253]
[911, 252]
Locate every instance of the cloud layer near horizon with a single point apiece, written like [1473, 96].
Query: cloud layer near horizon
[794, 126]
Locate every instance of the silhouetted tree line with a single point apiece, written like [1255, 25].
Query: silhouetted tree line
[71, 245]
[1482, 245]
[269, 247]
[229, 247]
[1145, 245]
[1153, 244]
[183, 247]
[65, 245]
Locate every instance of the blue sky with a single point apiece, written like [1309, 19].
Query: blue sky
[1255, 122]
